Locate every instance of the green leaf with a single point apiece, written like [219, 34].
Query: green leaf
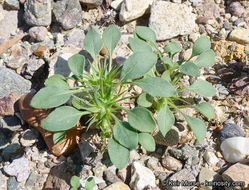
[141, 119]
[201, 45]
[206, 109]
[73, 188]
[138, 45]
[168, 61]
[151, 72]
[125, 135]
[203, 88]
[75, 182]
[166, 75]
[147, 142]
[50, 97]
[78, 103]
[206, 59]
[111, 37]
[58, 137]
[57, 80]
[156, 86]
[190, 69]
[146, 33]
[138, 64]
[165, 119]
[90, 183]
[76, 64]
[119, 155]
[62, 119]
[197, 127]
[145, 100]
[172, 48]
[93, 43]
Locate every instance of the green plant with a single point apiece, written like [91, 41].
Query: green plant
[99, 94]
[75, 183]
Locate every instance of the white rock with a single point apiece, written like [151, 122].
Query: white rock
[235, 149]
[116, 4]
[211, 158]
[240, 35]
[171, 19]
[131, 9]
[141, 177]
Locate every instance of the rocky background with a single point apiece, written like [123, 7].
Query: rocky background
[38, 36]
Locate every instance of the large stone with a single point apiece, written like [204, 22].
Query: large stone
[7, 104]
[75, 37]
[38, 12]
[11, 123]
[13, 4]
[207, 175]
[240, 35]
[141, 177]
[235, 149]
[178, 178]
[38, 33]
[240, 86]
[237, 173]
[19, 168]
[167, 23]
[171, 163]
[67, 13]
[230, 130]
[12, 82]
[131, 9]
[11, 152]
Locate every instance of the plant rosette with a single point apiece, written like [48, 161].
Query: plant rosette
[99, 94]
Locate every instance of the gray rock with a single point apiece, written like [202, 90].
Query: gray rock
[167, 24]
[154, 164]
[227, 25]
[141, 177]
[99, 169]
[110, 177]
[12, 82]
[10, 123]
[19, 168]
[239, 21]
[12, 183]
[236, 9]
[92, 2]
[32, 66]
[240, 35]
[179, 177]
[230, 130]
[13, 4]
[75, 37]
[11, 152]
[38, 12]
[38, 33]
[31, 180]
[171, 163]
[85, 149]
[207, 175]
[190, 154]
[67, 13]
[4, 138]
[210, 158]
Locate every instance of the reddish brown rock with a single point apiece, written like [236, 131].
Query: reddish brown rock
[34, 117]
[240, 86]
[7, 104]
[40, 51]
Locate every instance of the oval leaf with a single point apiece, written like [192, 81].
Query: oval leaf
[119, 155]
[147, 142]
[62, 119]
[93, 43]
[156, 86]
[206, 109]
[165, 119]
[197, 127]
[76, 64]
[206, 59]
[58, 137]
[190, 69]
[145, 100]
[172, 48]
[138, 64]
[141, 119]
[125, 135]
[203, 88]
[146, 33]
[200, 45]
[138, 45]
[50, 97]
[56, 80]
[90, 183]
[111, 37]
[75, 182]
